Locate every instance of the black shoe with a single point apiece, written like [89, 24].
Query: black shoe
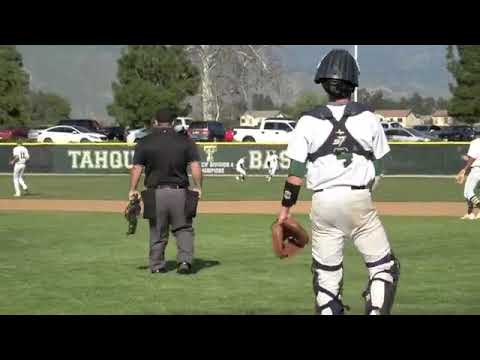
[184, 268]
[162, 270]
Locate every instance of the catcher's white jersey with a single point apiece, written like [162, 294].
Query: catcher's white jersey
[21, 153]
[474, 152]
[327, 171]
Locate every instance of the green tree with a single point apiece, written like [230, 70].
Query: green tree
[151, 77]
[48, 108]
[429, 105]
[441, 104]
[463, 62]
[307, 100]
[14, 84]
[416, 104]
[261, 102]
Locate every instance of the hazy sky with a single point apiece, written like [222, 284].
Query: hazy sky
[84, 73]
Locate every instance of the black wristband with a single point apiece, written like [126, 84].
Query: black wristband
[290, 194]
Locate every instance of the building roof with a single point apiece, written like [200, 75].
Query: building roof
[263, 113]
[440, 113]
[394, 113]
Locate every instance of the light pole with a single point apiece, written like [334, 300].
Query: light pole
[355, 96]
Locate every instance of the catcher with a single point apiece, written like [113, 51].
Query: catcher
[471, 173]
[336, 147]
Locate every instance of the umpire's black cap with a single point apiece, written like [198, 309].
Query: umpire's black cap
[164, 116]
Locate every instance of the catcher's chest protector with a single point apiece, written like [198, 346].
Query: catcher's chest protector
[340, 142]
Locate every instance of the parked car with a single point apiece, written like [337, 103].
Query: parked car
[92, 125]
[428, 129]
[229, 135]
[69, 134]
[13, 133]
[477, 131]
[115, 133]
[182, 124]
[406, 134]
[34, 132]
[207, 131]
[134, 135]
[391, 125]
[457, 133]
[270, 130]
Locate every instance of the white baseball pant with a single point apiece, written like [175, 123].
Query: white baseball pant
[342, 213]
[18, 171]
[241, 171]
[472, 181]
[272, 170]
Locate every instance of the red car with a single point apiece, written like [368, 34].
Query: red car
[229, 134]
[13, 133]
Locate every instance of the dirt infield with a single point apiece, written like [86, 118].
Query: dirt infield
[232, 207]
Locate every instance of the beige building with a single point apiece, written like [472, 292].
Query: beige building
[441, 118]
[405, 117]
[253, 118]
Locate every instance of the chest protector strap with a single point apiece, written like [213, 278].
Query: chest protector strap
[340, 142]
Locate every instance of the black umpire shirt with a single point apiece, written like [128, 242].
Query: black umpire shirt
[165, 156]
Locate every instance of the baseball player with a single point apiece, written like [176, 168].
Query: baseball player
[19, 162]
[472, 170]
[272, 163]
[341, 142]
[241, 170]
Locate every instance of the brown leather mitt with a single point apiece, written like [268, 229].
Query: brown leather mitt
[288, 238]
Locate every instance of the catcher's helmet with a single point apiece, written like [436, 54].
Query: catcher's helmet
[339, 64]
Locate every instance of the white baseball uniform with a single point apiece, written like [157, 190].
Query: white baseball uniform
[22, 155]
[241, 167]
[272, 161]
[474, 177]
[339, 211]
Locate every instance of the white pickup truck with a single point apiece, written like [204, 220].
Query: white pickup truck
[269, 131]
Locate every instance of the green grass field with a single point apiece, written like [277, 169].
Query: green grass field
[225, 188]
[83, 264]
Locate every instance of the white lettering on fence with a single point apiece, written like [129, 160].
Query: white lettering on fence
[74, 155]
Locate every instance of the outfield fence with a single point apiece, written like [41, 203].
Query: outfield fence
[220, 159]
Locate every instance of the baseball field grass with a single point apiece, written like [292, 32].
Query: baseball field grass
[59, 263]
[226, 188]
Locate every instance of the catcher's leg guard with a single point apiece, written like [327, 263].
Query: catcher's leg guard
[382, 286]
[470, 207]
[326, 302]
[475, 201]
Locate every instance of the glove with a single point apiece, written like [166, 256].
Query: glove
[460, 178]
[132, 211]
[288, 238]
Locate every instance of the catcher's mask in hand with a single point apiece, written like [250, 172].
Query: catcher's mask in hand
[288, 238]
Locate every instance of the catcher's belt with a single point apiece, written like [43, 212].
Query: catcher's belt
[132, 212]
[288, 238]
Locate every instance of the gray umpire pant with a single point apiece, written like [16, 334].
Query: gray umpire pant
[170, 204]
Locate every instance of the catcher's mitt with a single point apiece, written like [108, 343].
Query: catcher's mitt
[132, 211]
[288, 238]
[460, 178]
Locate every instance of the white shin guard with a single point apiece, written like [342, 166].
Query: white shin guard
[327, 287]
[381, 289]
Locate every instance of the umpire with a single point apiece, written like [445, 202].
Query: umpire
[168, 203]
